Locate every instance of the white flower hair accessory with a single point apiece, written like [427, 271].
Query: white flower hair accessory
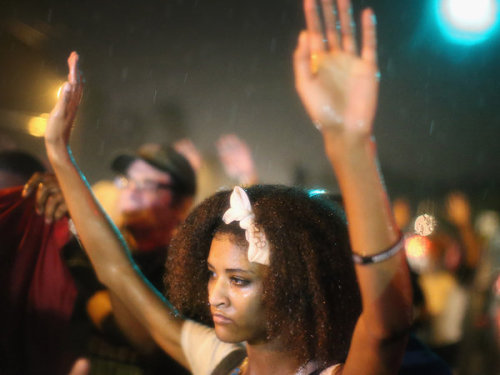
[240, 210]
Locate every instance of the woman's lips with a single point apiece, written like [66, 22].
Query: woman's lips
[221, 319]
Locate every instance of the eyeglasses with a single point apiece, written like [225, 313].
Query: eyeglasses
[124, 182]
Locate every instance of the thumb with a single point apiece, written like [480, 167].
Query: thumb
[301, 58]
[59, 109]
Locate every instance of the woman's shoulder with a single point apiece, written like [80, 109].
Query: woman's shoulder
[202, 348]
[312, 368]
[333, 370]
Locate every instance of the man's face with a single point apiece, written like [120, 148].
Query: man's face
[146, 205]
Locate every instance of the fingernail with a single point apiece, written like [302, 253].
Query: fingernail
[374, 19]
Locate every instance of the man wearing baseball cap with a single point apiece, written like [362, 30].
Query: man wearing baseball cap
[156, 187]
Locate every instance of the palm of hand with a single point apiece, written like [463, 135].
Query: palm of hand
[337, 85]
[239, 163]
[235, 156]
[342, 96]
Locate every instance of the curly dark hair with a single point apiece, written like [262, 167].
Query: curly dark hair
[311, 295]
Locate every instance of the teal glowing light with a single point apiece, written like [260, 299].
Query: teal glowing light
[467, 21]
[315, 192]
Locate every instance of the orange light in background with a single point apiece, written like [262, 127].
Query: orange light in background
[37, 125]
[417, 246]
[417, 252]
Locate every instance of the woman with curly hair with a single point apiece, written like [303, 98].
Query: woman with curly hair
[269, 269]
[308, 272]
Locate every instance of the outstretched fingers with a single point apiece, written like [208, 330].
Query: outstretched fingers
[74, 74]
[322, 23]
[314, 29]
[76, 83]
[369, 36]
[346, 26]
[62, 116]
[330, 17]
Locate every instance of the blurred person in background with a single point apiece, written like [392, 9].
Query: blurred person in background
[38, 293]
[419, 358]
[371, 225]
[481, 330]
[444, 253]
[488, 278]
[458, 212]
[155, 190]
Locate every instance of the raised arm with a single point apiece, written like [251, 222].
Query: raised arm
[338, 87]
[101, 240]
[236, 158]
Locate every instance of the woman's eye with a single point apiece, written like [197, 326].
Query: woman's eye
[211, 274]
[239, 281]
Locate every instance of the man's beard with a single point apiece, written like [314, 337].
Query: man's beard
[138, 220]
[142, 230]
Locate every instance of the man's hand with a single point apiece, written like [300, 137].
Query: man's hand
[49, 200]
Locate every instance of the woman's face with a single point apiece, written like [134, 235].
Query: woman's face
[235, 292]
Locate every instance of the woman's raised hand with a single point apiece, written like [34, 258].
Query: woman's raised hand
[62, 116]
[337, 85]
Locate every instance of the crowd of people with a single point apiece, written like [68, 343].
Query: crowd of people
[257, 279]
[454, 261]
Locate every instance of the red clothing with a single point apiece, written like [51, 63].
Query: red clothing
[37, 294]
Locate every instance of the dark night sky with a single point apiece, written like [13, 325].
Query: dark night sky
[160, 70]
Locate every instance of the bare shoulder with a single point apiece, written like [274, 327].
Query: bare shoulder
[333, 370]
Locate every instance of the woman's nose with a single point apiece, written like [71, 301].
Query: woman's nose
[217, 293]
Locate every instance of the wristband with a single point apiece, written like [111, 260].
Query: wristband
[383, 255]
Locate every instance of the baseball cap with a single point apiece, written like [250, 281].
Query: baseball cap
[164, 158]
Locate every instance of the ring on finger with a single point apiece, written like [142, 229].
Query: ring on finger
[314, 63]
